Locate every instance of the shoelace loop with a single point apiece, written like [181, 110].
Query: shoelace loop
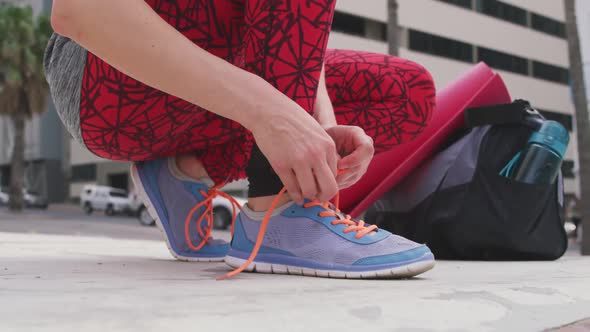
[205, 230]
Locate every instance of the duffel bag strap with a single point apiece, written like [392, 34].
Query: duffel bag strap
[518, 112]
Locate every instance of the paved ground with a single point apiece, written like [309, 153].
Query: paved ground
[579, 326]
[62, 271]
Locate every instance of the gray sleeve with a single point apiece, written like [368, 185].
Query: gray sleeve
[64, 64]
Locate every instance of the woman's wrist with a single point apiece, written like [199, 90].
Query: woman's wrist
[252, 99]
[327, 124]
[259, 105]
[323, 109]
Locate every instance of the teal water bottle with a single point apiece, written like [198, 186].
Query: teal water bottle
[540, 161]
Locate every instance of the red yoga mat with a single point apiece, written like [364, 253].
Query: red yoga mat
[477, 87]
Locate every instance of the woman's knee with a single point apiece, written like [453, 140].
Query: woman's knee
[399, 92]
[358, 75]
[421, 89]
[418, 95]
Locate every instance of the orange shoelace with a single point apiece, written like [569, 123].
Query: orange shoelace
[352, 226]
[359, 227]
[205, 230]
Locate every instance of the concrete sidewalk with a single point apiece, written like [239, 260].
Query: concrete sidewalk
[76, 283]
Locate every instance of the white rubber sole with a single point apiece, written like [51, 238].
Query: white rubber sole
[406, 271]
[152, 212]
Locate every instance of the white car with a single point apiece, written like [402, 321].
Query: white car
[108, 199]
[30, 199]
[34, 200]
[570, 228]
[222, 213]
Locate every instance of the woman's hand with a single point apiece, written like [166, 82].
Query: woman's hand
[353, 145]
[356, 151]
[300, 151]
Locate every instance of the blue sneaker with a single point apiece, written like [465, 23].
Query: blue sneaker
[316, 240]
[169, 197]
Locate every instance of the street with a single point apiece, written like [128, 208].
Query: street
[63, 219]
[61, 270]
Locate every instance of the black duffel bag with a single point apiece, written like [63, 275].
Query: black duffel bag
[462, 208]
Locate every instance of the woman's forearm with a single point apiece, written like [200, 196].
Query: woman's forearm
[323, 109]
[131, 37]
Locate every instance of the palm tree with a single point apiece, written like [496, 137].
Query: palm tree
[23, 90]
[582, 121]
[392, 27]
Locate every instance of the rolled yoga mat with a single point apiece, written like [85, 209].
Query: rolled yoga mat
[477, 87]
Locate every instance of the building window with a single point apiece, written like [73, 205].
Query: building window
[567, 169]
[82, 173]
[502, 11]
[375, 30]
[349, 24]
[4, 176]
[550, 72]
[359, 26]
[503, 61]
[547, 25]
[444, 47]
[564, 119]
[460, 3]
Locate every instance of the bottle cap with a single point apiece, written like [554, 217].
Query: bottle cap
[553, 135]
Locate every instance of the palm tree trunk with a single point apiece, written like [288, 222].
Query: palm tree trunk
[393, 30]
[17, 167]
[582, 121]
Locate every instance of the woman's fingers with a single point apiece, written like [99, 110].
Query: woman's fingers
[302, 154]
[290, 182]
[306, 181]
[362, 153]
[332, 159]
[326, 182]
[350, 177]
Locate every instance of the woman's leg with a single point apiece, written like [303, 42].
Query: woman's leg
[284, 43]
[123, 119]
[391, 98]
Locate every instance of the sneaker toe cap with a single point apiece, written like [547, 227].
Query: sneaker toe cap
[417, 253]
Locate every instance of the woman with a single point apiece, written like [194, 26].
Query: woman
[199, 93]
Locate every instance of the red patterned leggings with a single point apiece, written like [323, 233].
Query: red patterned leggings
[284, 42]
